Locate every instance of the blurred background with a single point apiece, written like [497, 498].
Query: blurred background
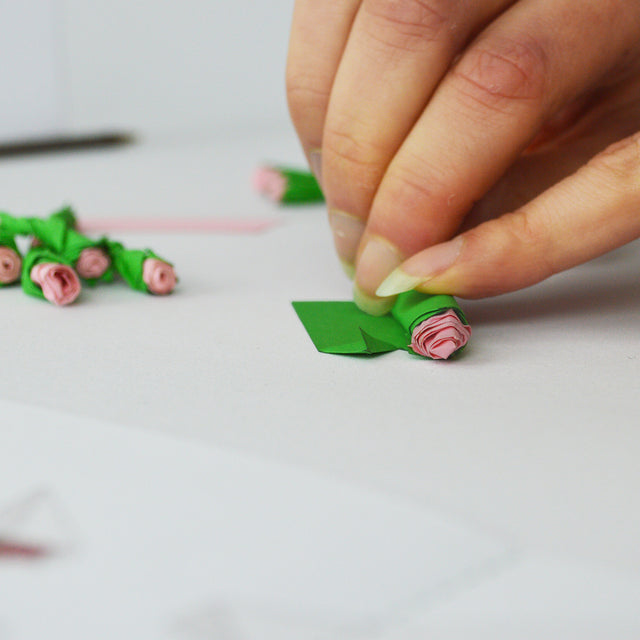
[147, 66]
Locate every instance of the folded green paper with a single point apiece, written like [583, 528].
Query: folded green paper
[342, 328]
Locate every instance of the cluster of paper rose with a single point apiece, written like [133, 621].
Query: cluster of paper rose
[60, 256]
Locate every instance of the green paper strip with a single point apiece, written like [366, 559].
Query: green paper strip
[412, 308]
[342, 328]
[36, 256]
[302, 187]
[15, 226]
[8, 240]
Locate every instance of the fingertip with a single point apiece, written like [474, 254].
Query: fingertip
[371, 304]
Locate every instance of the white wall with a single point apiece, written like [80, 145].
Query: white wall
[177, 65]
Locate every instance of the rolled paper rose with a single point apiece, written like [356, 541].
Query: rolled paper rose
[142, 269]
[59, 282]
[57, 234]
[92, 263]
[440, 336]
[436, 324]
[287, 186]
[159, 276]
[270, 183]
[10, 265]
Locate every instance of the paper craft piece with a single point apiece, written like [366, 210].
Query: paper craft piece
[287, 186]
[57, 233]
[58, 248]
[142, 269]
[10, 260]
[430, 326]
[176, 225]
[49, 276]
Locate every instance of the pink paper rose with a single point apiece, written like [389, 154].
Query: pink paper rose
[440, 336]
[59, 282]
[159, 276]
[92, 263]
[10, 265]
[270, 183]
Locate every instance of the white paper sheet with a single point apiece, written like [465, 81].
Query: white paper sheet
[537, 597]
[180, 540]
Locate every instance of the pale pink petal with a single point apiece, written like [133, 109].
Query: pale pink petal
[59, 282]
[270, 183]
[159, 276]
[92, 263]
[10, 265]
[440, 336]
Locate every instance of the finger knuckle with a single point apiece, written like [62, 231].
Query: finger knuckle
[408, 25]
[415, 181]
[500, 71]
[352, 153]
[305, 93]
[621, 162]
[532, 240]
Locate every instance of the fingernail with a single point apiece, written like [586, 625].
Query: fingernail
[378, 258]
[315, 160]
[423, 267]
[347, 231]
[398, 282]
[370, 304]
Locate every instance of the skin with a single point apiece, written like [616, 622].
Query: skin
[470, 147]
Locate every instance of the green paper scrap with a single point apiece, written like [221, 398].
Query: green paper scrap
[340, 327]
[36, 256]
[302, 187]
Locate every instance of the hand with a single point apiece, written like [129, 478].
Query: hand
[422, 118]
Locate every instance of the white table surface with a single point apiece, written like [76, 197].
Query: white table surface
[533, 435]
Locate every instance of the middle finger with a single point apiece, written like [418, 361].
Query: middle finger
[396, 55]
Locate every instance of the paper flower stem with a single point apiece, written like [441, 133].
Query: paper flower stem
[285, 185]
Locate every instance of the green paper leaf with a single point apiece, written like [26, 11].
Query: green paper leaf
[341, 328]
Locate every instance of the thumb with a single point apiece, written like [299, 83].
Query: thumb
[593, 211]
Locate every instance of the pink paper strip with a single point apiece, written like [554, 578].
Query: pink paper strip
[17, 550]
[176, 225]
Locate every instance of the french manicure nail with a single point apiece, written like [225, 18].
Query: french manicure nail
[347, 231]
[370, 304]
[377, 260]
[423, 267]
[398, 282]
